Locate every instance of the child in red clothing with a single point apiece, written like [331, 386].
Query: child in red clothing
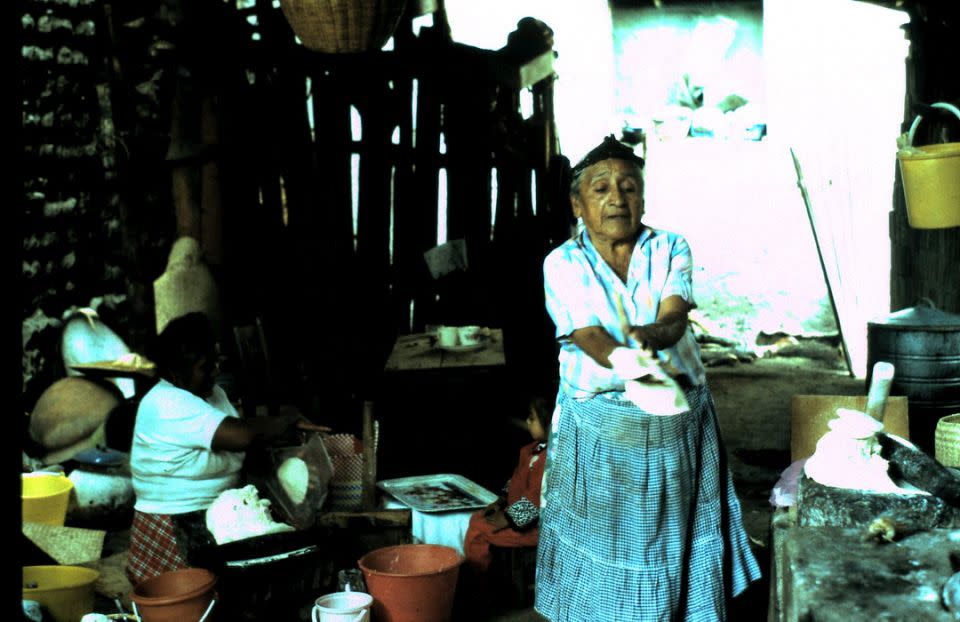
[512, 521]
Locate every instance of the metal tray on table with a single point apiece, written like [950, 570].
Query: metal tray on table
[444, 492]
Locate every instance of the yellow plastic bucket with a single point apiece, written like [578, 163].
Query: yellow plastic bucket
[45, 497]
[66, 592]
[931, 180]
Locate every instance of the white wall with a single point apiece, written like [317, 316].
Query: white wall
[837, 77]
[828, 78]
[735, 200]
[721, 51]
[738, 205]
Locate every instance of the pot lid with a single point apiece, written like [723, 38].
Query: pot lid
[97, 456]
[924, 317]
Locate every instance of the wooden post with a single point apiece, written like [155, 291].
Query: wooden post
[369, 458]
[826, 275]
[185, 175]
[211, 217]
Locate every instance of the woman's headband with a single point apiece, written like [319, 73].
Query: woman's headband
[610, 148]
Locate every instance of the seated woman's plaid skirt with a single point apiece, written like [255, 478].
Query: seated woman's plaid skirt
[640, 519]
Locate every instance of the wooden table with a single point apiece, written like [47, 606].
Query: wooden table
[418, 351]
[448, 412]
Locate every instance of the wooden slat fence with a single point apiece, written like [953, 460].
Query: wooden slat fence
[334, 302]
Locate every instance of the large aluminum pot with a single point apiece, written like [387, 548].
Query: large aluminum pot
[923, 343]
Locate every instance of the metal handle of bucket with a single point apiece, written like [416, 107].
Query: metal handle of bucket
[315, 611]
[916, 122]
[209, 608]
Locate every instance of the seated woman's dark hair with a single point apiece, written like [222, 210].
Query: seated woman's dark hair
[609, 148]
[182, 342]
[543, 409]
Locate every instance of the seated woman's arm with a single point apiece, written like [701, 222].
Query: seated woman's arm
[235, 434]
[669, 327]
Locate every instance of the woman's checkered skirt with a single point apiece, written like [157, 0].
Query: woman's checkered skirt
[641, 520]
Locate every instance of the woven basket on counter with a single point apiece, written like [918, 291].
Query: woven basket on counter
[343, 26]
[947, 441]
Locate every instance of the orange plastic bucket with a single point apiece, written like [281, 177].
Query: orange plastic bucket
[412, 582]
[177, 596]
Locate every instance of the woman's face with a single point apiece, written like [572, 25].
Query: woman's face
[610, 200]
[201, 375]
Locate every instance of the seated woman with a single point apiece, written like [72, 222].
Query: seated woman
[188, 446]
[511, 521]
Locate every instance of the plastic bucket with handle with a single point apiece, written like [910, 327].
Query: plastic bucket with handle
[185, 595]
[931, 179]
[342, 607]
[412, 582]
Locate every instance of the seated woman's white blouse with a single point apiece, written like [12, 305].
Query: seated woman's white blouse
[581, 290]
[174, 470]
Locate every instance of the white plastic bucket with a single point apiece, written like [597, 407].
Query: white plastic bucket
[342, 607]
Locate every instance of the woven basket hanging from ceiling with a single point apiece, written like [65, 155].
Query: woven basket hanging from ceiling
[343, 26]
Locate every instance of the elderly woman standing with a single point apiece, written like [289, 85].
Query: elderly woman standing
[640, 518]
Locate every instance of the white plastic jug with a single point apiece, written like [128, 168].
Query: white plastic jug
[342, 607]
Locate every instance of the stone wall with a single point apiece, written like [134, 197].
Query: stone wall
[85, 127]
[71, 224]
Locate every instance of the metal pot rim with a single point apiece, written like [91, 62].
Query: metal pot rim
[926, 317]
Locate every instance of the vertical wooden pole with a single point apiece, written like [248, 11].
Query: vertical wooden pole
[369, 458]
[373, 227]
[332, 148]
[185, 176]
[823, 265]
[426, 182]
[211, 220]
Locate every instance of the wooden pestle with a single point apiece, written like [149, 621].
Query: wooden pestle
[879, 389]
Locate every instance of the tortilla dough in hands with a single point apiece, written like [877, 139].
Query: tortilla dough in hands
[647, 382]
[240, 513]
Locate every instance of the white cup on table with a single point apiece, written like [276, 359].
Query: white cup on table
[448, 336]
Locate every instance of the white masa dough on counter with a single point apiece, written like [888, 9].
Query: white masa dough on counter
[848, 456]
[240, 513]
